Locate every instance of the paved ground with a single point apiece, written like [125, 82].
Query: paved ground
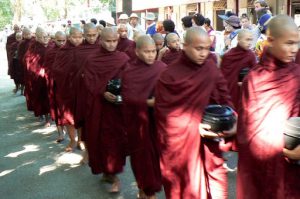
[33, 166]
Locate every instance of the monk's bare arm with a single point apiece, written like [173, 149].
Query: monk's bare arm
[110, 97]
[150, 102]
[292, 154]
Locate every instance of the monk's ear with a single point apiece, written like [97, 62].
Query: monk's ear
[270, 40]
[136, 52]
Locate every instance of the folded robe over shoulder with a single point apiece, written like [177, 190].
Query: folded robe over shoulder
[127, 46]
[10, 40]
[103, 127]
[192, 167]
[232, 63]
[271, 95]
[37, 89]
[138, 82]
[171, 56]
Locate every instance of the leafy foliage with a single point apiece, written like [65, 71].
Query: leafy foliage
[6, 14]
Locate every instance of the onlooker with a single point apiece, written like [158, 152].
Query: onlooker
[198, 20]
[186, 22]
[134, 23]
[123, 19]
[211, 33]
[103, 23]
[232, 25]
[150, 21]
[245, 22]
[94, 21]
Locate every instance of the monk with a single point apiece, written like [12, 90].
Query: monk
[59, 40]
[159, 42]
[139, 80]
[235, 60]
[125, 45]
[270, 96]
[103, 127]
[10, 40]
[64, 70]
[190, 160]
[15, 67]
[37, 89]
[172, 50]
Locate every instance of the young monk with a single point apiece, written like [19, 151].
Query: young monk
[59, 40]
[139, 80]
[64, 71]
[10, 40]
[235, 60]
[103, 127]
[191, 164]
[22, 49]
[271, 95]
[125, 45]
[172, 51]
[37, 89]
[159, 42]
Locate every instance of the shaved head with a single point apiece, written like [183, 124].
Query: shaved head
[173, 41]
[143, 41]
[171, 36]
[122, 26]
[26, 33]
[19, 36]
[109, 38]
[244, 32]
[75, 30]
[88, 27]
[245, 39]
[194, 32]
[41, 36]
[158, 37]
[109, 31]
[60, 38]
[280, 25]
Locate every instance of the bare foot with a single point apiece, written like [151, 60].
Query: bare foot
[85, 158]
[71, 146]
[115, 187]
[152, 197]
[60, 139]
[80, 145]
[47, 124]
[141, 195]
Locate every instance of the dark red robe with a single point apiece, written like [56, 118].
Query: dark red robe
[127, 46]
[103, 128]
[64, 70]
[170, 56]
[271, 95]
[10, 40]
[232, 63]
[298, 57]
[37, 82]
[138, 82]
[191, 166]
[49, 60]
[15, 67]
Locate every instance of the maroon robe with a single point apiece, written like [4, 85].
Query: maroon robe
[10, 40]
[37, 81]
[170, 56]
[64, 70]
[127, 46]
[191, 166]
[271, 95]
[49, 60]
[103, 128]
[298, 57]
[22, 49]
[138, 82]
[14, 65]
[232, 63]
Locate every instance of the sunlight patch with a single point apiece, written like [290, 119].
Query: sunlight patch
[45, 131]
[47, 168]
[3, 173]
[27, 148]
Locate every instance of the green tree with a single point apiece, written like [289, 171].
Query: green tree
[6, 14]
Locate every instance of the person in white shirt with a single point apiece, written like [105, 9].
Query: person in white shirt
[134, 23]
[123, 19]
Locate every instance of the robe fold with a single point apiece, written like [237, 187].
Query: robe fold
[64, 70]
[103, 127]
[10, 40]
[191, 166]
[138, 81]
[49, 60]
[37, 82]
[15, 67]
[270, 96]
[232, 63]
[171, 56]
[127, 46]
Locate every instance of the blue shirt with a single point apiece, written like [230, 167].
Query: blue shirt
[151, 30]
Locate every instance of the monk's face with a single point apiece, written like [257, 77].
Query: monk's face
[91, 35]
[159, 44]
[198, 48]
[246, 41]
[285, 46]
[27, 35]
[245, 23]
[110, 41]
[147, 53]
[60, 40]
[76, 38]
[174, 43]
[123, 32]
[19, 38]
[43, 38]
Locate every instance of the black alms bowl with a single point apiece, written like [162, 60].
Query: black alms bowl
[219, 117]
[243, 73]
[292, 132]
[114, 86]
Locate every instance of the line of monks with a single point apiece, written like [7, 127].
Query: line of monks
[157, 119]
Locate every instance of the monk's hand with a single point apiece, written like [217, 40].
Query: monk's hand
[204, 130]
[110, 97]
[240, 83]
[150, 102]
[162, 52]
[229, 133]
[293, 154]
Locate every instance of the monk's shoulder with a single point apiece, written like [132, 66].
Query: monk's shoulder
[122, 56]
